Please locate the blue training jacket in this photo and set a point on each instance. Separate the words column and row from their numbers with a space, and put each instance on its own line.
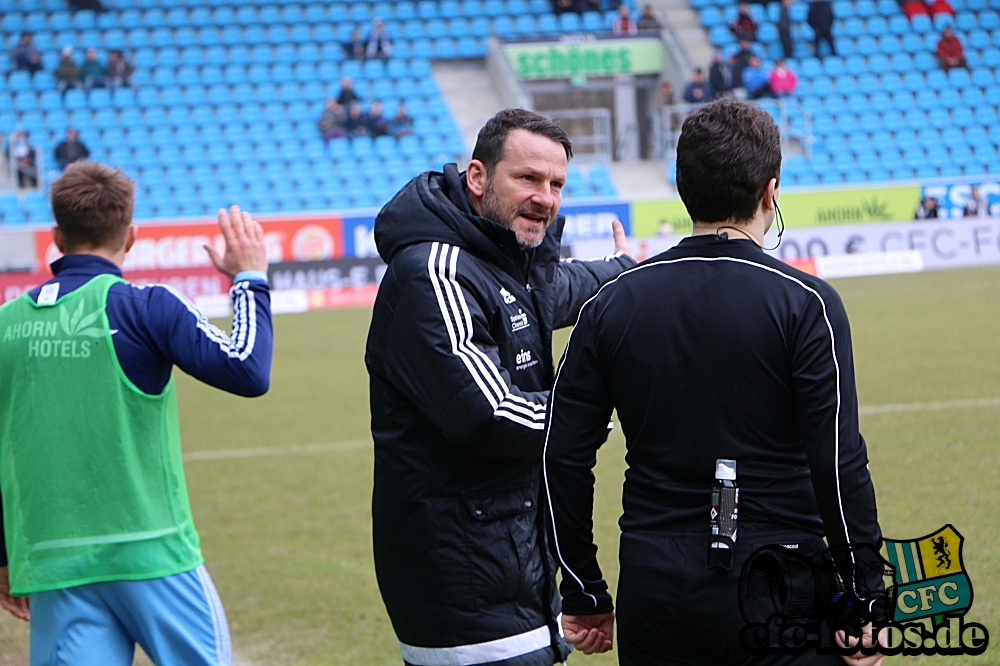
column 155, row 328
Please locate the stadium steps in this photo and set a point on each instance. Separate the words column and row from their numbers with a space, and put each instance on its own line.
column 470, row 94
column 687, row 26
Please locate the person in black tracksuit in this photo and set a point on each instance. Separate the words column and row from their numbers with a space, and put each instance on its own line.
column 460, row 363
column 713, row 349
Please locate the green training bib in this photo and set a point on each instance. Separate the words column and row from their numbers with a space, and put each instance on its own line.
column 90, row 466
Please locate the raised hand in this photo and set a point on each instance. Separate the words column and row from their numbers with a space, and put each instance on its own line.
column 621, row 242
column 245, row 250
column 590, row 634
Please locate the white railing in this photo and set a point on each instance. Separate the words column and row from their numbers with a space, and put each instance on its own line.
column 672, row 118
column 589, row 130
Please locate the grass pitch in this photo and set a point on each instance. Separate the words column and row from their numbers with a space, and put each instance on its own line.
column 287, row 537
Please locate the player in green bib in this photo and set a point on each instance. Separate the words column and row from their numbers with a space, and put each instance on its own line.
column 99, row 549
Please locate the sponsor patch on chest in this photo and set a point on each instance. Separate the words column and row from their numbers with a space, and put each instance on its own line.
column 519, row 321
column 508, row 297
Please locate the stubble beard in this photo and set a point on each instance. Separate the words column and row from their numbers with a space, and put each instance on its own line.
column 498, row 212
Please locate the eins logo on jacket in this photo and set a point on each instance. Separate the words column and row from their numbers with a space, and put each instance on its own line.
column 524, row 360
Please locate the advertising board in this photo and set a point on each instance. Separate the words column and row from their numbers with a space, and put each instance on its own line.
column 583, row 220
column 849, row 205
column 952, row 199
column 583, row 57
column 181, row 246
column 941, row 243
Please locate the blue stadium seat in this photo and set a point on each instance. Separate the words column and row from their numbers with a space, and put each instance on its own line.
column 989, row 20
column 854, row 27
column 921, row 23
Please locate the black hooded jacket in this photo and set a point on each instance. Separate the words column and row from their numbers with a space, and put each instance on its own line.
column 460, row 362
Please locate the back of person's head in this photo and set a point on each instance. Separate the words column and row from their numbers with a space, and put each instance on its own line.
column 92, row 203
column 727, row 153
column 493, row 136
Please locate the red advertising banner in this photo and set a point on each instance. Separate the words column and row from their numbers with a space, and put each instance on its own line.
column 181, row 246
column 192, row 282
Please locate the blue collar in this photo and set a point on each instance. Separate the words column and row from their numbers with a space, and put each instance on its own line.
column 84, row 265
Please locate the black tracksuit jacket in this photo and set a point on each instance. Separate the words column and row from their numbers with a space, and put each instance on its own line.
column 460, row 364
column 710, row 350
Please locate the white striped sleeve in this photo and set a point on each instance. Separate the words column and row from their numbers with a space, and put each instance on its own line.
column 442, row 268
column 240, row 344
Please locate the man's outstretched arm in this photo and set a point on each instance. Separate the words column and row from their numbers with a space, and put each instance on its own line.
column 439, row 353
column 579, row 411
column 238, row 362
column 578, row 280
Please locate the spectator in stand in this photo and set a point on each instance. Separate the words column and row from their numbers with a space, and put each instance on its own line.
column 744, row 26
column 648, row 21
column 755, row 80
column 950, row 52
column 93, row 5
column 913, row 7
column 785, row 29
column 71, row 149
column 67, row 71
column 977, row 205
column 401, row 124
column 623, row 24
column 782, row 80
column 355, row 47
column 347, row 96
column 667, row 100
column 356, row 123
column 25, row 57
column 739, row 62
column 91, row 72
column 940, row 7
column 118, row 73
column 23, row 153
column 927, row 209
column 378, row 45
column 566, row 7
column 720, row 77
column 374, row 120
column 698, row 92
column 667, row 93
column 332, row 121
column 820, row 19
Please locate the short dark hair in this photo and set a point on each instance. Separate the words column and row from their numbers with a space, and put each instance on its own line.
column 492, row 137
column 92, row 203
column 726, row 154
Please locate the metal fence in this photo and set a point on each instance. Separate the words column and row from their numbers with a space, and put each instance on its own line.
column 10, row 169
column 794, row 122
column 589, row 130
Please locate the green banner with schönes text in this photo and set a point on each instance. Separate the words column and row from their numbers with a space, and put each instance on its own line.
column 600, row 57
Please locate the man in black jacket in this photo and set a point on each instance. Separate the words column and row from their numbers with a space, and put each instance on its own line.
column 460, row 362
column 711, row 350
column 820, row 19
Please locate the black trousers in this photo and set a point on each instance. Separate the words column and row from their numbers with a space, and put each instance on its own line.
column 787, row 45
column 673, row 610
column 825, row 37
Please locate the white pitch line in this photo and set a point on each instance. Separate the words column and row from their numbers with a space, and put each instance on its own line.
column 264, row 451
column 223, row 454
column 931, row 406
